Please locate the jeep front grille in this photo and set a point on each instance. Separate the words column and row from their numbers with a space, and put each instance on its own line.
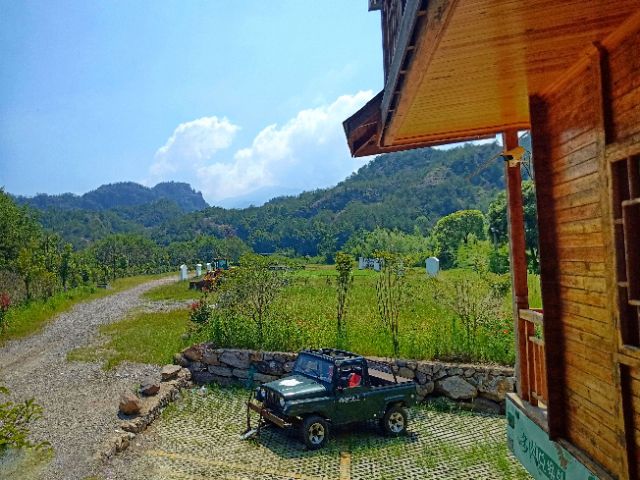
column 272, row 400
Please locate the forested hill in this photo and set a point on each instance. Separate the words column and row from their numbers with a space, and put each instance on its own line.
column 397, row 190
column 404, row 190
column 122, row 194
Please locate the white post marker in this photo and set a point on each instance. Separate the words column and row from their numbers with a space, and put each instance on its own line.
column 433, row 266
column 198, row 269
column 183, row 272
column 208, row 267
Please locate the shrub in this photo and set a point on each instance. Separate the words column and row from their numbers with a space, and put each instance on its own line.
column 390, row 295
column 344, row 266
column 14, row 423
column 5, row 303
column 200, row 311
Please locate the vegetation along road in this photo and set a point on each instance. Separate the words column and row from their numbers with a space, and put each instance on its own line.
column 79, row 399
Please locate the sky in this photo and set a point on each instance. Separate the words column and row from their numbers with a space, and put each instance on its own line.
column 243, row 99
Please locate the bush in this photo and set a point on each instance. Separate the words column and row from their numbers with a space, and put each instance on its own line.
column 200, row 311
column 14, row 423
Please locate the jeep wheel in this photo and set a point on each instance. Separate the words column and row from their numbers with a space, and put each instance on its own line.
column 395, row 421
column 315, row 432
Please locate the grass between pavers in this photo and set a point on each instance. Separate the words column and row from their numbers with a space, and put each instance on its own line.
column 177, row 291
column 28, row 319
column 26, row 463
column 144, row 337
column 443, row 439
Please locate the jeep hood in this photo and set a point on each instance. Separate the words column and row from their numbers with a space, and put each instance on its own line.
column 297, row 386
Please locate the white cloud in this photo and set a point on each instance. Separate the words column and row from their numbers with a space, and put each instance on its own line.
column 192, row 144
column 308, row 151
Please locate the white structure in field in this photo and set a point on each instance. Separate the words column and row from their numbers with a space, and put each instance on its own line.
column 364, row 263
column 208, row 265
column 198, row 269
column 183, row 272
column 433, row 266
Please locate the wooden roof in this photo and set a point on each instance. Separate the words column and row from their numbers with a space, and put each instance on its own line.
column 464, row 69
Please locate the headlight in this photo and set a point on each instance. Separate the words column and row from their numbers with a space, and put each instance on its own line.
column 263, row 393
column 282, row 402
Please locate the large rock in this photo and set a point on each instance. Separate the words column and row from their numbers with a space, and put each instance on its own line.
column 178, row 359
column 149, row 387
column 270, row 368
column 169, row 372
column 424, row 390
column 236, row 358
column 456, row 388
column 130, row 404
column 193, row 353
column 496, row 388
column 487, row 406
column 220, row 371
column 406, row 372
column 262, row 378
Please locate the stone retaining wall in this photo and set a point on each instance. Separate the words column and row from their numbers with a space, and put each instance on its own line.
column 481, row 386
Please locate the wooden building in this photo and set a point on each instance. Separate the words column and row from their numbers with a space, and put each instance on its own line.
column 568, row 71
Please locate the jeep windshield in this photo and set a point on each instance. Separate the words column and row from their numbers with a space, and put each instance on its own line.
column 314, row 367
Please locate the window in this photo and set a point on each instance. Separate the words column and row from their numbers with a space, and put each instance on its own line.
column 625, row 174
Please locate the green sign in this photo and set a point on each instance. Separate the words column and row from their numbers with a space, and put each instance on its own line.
column 543, row 458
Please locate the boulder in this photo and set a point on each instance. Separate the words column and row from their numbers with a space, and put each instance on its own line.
column 424, row 390
column 456, row 388
column 262, row 378
column 149, row 387
column 169, row 372
column 421, row 378
column 220, row 371
column 469, row 372
column 288, row 367
column 486, row 406
column 240, row 373
column 406, row 373
column 205, row 377
column 178, row 359
column 236, row 358
column 193, row 353
column 425, row 368
column 496, row 388
column 210, row 356
column 270, row 368
column 130, row 404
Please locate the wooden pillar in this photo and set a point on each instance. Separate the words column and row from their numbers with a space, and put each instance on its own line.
column 518, row 260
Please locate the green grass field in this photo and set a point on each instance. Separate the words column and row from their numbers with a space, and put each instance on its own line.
column 144, row 337
column 29, row 319
column 428, row 329
column 304, row 316
column 176, row 291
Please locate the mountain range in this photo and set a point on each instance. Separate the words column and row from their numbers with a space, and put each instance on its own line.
column 121, row 194
column 402, row 190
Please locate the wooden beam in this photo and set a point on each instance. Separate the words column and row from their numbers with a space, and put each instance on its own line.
column 518, row 258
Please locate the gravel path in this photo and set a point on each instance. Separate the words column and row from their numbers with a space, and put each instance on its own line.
column 80, row 399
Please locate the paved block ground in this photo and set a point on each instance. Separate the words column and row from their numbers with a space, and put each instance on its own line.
column 199, row 438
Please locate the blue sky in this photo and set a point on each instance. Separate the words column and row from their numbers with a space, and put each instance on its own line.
column 240, row 98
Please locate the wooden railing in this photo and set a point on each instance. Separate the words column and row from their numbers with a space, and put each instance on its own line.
column 533, row 367
column 392, row 12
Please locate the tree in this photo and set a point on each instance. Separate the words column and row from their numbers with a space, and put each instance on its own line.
column 498, row 228
column 66, row 265
column 17, row 228
column 252, row 288
column 344, row 266
column 390, row 295
column 452, row 230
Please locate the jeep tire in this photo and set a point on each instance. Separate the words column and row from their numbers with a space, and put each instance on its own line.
column 394, row 422
column 314, row 431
